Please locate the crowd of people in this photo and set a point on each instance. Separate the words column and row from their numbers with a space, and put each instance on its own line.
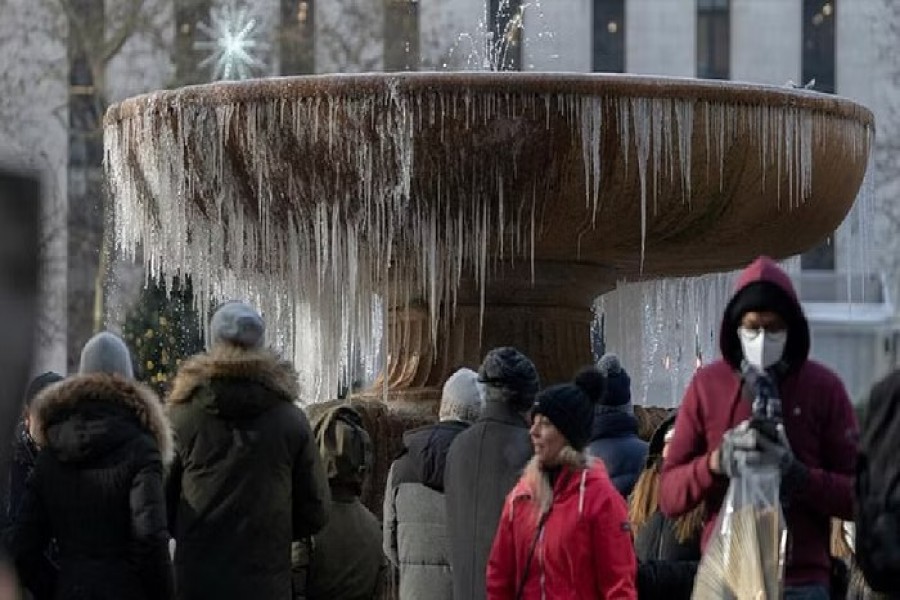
column 518, row 491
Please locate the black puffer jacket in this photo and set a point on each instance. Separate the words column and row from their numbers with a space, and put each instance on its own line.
column 25, row 453
column 247, row 478
column 666, row 567
column 24, row 457
column 98, row 490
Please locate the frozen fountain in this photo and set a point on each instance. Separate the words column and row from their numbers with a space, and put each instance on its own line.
column 461, row 211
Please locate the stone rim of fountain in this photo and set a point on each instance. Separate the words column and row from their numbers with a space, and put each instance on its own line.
column 589, row 84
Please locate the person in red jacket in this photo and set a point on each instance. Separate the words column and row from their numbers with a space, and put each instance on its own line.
column 764, row 330
column 564, row 531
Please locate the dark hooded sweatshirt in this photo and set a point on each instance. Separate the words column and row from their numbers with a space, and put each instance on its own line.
column 415, row 528
column 818, row 417
column 247, row 479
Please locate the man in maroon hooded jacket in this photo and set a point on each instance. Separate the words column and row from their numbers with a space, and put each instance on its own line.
column 764, row 329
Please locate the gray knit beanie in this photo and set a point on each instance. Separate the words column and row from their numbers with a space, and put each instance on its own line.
column 106, row 353
column 237, row 324
column 461, row 397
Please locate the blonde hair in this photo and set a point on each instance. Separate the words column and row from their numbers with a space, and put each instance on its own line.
column 537, row 480
column 644, row 502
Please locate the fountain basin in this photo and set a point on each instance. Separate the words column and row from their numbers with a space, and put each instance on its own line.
column 468, row 200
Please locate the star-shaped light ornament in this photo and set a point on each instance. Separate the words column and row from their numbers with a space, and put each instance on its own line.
column 231, row 42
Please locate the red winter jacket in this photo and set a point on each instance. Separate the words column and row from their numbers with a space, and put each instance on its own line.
column 584, row 553
column 818, row 417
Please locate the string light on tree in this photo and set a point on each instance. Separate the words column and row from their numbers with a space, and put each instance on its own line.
column 231, row 42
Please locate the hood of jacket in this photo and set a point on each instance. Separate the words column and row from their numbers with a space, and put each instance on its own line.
column 426, row 449
column 766, row 274
column 235, row 383
column 87, row 416
column 613, row 424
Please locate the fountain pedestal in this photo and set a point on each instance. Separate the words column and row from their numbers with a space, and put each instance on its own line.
column 548, row 318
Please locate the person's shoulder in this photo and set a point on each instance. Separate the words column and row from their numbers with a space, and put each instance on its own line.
column 814, row 375
column 465, row 436
column 143, row 449
column 716, row 369
column 596, row 473
column 288, row 417
column 600, row 487
column 821, row 373
column 712, row 375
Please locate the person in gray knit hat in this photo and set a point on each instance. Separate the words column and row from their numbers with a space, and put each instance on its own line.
column 614, row 436
column 106, row 353
column 415, row 521
column 484, row 463
column 97, row 486
column 237, row 324
column 247, row 479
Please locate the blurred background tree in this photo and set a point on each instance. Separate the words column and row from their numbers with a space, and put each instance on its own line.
column 162, row 329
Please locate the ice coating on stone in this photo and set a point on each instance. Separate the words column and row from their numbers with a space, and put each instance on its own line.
column 856, row 233
column 312, row 250
column 669, row 327
column 661, row 329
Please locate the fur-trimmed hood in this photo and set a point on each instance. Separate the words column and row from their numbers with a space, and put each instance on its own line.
column 94, row 397
column 229, row 369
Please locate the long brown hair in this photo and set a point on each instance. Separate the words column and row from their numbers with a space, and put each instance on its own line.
column 644, row 503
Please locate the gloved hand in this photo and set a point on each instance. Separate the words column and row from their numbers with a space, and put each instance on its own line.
column 739, row 448
column 778, row 453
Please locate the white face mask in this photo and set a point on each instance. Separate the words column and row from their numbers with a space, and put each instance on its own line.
column 762, row 348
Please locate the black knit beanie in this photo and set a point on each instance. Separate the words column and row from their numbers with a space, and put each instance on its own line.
column 618, row 383
column 39, row 383
column 570, row 406
column 509, row 376
column 761, row 296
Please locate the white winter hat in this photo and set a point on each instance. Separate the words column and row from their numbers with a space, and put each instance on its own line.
column 461, row 397
column 106, row 353
column 237, row 324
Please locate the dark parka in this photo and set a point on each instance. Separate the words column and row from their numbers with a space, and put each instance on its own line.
column 247, row 479
column 666, row 566
column 24, row 457
column 615, row 441
column 483, row 464
column 98, row 490
column 346, row 561
column 415, row 519
column 25, row 454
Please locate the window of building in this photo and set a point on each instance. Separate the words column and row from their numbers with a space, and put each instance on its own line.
column 713, row 39
column 819, row 71
column 819, row 44
column 609, row 36
column 296, row 39
column 505, row 20
column 401, row 35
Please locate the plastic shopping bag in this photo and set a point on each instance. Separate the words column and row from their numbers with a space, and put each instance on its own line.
column 744, row 558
